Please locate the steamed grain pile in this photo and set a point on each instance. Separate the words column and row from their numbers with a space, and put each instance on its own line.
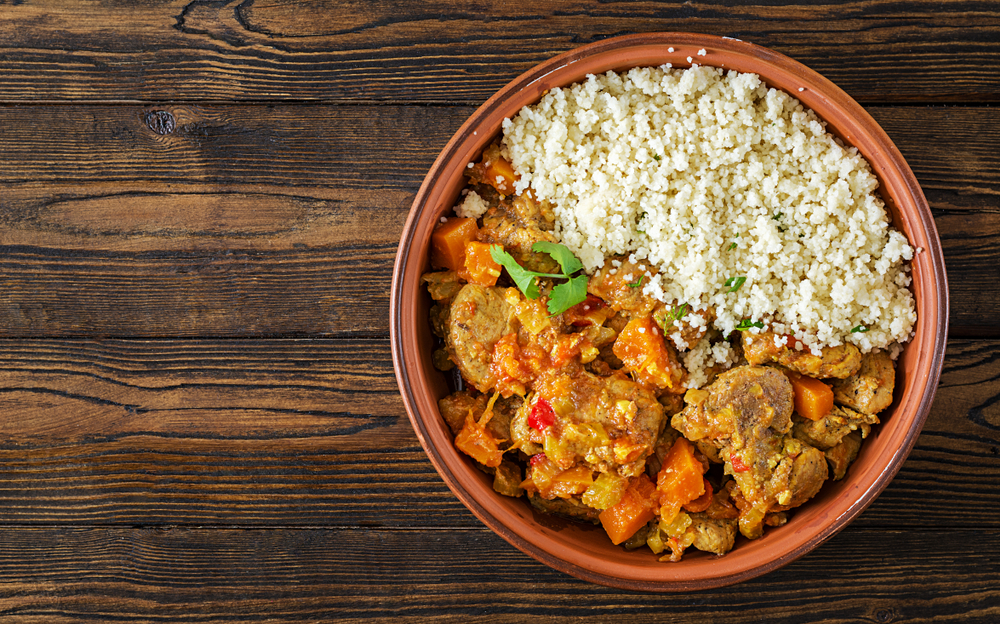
column 711, row 176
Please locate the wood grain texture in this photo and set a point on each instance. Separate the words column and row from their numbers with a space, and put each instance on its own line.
column 249, row 221
column 173, row 575
column 313, row 432
column 458, row 51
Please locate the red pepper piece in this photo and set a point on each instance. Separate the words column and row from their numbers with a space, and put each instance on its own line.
column 541, row 415
column 738, row 465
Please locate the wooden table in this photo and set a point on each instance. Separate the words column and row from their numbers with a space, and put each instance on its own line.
column 200, row 204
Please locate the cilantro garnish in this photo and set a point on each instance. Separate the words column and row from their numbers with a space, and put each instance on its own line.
column 564, row 295
column 860, row 329
column 638, row 283
column 656, row 157
column 746, row 324
column 732, row 245
column 735, row 283
column 777, row 216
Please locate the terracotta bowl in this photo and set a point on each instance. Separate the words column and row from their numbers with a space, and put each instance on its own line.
column 582, row 550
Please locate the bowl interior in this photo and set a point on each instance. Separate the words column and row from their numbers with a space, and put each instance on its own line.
column 583, row 550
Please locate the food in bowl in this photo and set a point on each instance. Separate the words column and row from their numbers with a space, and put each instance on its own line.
column 644, row 286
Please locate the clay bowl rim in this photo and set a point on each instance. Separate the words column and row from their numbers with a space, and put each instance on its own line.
column 894, row 439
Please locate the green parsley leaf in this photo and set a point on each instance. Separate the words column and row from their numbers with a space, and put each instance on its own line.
column 746, row 324
column 732, row 245
column 777, row 216
column 525, row 279
column 638, row 283
column 735, row 282
column 564, row 295
column 561, row 254
column 860, row 329
column 567, row 294
column 656, row 157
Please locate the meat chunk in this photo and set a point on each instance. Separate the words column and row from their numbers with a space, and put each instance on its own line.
column 808, row 473
column 870, row 389
column 843, row 455
column 747, row 413
column 742, row 408
column 610, row 424
column 479, row 317
column 713, row 535
column 456, row 406
column 827, row 432
column 840, row 362
column 620, row 288
column 502, row 227
column 566, row 507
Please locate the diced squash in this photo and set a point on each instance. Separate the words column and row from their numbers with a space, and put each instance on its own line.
column 500, row 174
column 813, row 398
column 680, row 480
column 479, row 267
column 448, row 242
column 632, row 512
column 477, row 442
column 641, row 347
column 703, row 502
column 572, row 482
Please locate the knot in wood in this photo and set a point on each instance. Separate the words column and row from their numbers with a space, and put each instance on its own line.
column 160, row 122
column 884, row 615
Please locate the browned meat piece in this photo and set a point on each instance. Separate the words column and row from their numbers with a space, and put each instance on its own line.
column 507, row 479
column 870, row 389
column 607, row 423
column 479, row 317
column 742, row 408
column 566, row 507
column 844, row 454
column 808, row 473
column 681, row 332
column 442, row 285
column 746, row 413
column 713, row 535
column 615, row 285
column 503, row 228
column 456, row 406
column 531, row 213
column 839, row 362
column 828, row 431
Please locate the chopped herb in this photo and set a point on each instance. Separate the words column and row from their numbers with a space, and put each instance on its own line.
column 656, row 157
column 782, row 228
column 777, row 216
column 679, row 311
column 746, row 324
column 564, row 295
column 860, row 329
column 735, row 283
column 732, row 245
column 641, row 217
column 638, row 283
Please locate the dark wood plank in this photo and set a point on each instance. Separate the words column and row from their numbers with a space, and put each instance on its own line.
column 284, row 220
column 453, row 51
column 173, row 575
column 313, row 432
